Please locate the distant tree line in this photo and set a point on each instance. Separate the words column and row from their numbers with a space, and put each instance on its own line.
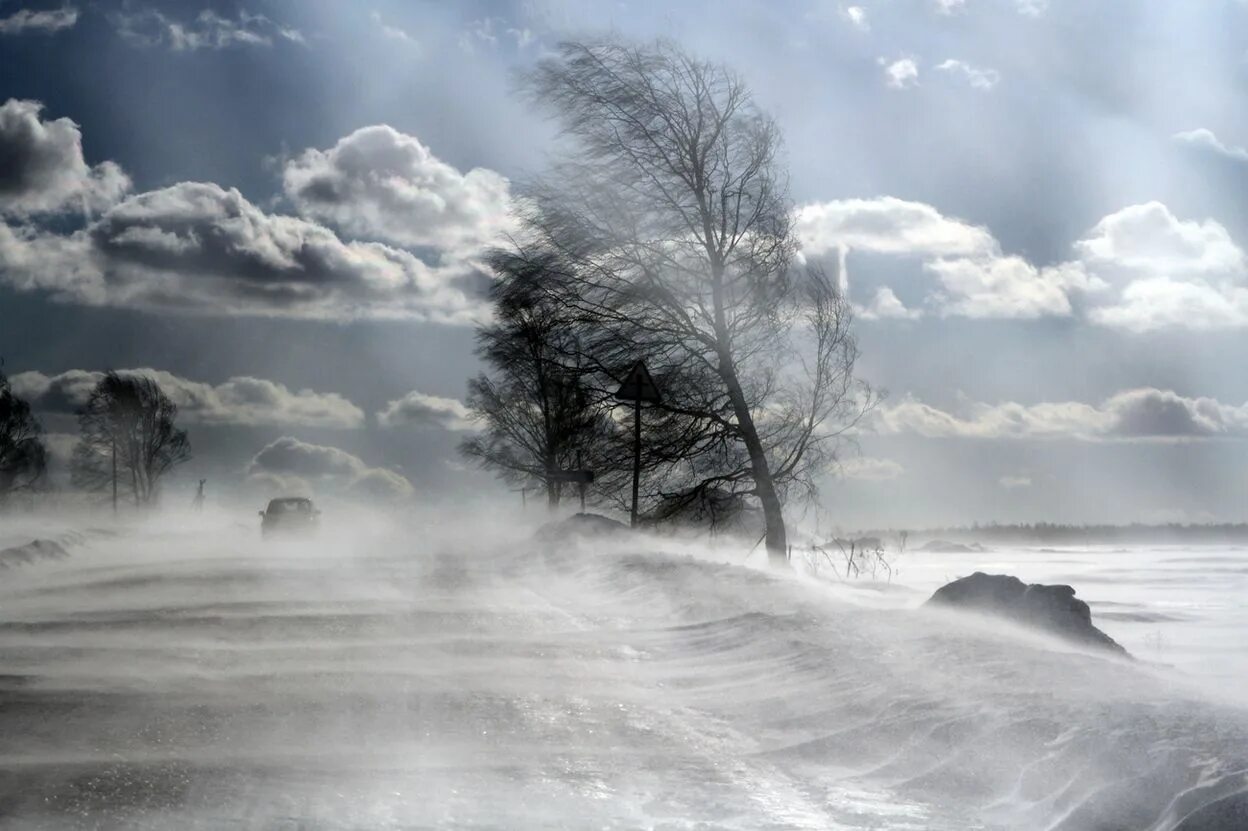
column 1098, row 534
column 663, row 233
column 128, row 441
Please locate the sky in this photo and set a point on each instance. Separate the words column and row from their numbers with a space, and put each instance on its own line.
column 278, row 208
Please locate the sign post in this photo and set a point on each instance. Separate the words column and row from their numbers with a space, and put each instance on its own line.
column 637, row 387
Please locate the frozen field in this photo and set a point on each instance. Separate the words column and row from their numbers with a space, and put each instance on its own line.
column 1183, row 606
column 191, row 677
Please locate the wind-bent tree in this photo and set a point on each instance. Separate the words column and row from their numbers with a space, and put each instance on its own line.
column 534, row 411
column 23, row 455
column 671, row 216
column 128, row 438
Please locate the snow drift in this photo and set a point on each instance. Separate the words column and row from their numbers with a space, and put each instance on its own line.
column 409, row 679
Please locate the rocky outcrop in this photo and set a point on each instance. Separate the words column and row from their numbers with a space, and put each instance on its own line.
column 581, row 525
column 1053, row 609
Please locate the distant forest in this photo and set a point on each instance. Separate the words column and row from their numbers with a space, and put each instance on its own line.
column 1054, row 533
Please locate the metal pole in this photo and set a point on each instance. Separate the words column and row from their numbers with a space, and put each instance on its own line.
column 580, row 465
column 632, row 523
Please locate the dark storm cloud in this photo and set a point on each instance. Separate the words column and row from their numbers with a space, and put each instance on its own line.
column 198, row 247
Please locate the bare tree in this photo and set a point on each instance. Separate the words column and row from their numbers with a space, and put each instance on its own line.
column 128, row 438
column 23, row 455
column 536, row 416
column 672, row 216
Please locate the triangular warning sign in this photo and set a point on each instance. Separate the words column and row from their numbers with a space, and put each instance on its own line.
column 639, row 386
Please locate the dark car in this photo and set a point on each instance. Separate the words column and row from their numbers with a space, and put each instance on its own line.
column 289, row 515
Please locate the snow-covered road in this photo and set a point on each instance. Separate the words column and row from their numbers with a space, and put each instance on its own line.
column 180, row 678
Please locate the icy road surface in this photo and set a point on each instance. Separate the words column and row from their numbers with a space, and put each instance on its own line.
column 196, row 679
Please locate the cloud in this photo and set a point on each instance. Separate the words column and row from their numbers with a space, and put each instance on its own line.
column 290, row 456
column 293, row 466
column 1149, row 240
column 208, row 30
column 1168, row 272
column 46, row 21
column 888, row 225
column 902, row 73
column 392, row 32
column 975, row 278
column 421, row 410
column 199, row 248
column 1158, row 303
column 857, row 17
column 1032, row 8
column 1145, row 413
column 1205, row 139
column 382, row 184
column 240, row 401
column 1014, row 482
column 1140, row 268
column 948, row 6
column 981, row 78
column 43, row 168
column 195, row 247
column 1007, row 287
column 379, row 484
column 885, row 305
column 489, row 31
column 871, row 469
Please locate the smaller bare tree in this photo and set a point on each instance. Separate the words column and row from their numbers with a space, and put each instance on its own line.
column 129, row 440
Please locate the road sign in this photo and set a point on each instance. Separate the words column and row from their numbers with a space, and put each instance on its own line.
column 576, row 477
column 639, row 386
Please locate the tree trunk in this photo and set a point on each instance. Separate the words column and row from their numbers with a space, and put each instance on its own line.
column 775, row 537
column 773, row 512
column 553, row 487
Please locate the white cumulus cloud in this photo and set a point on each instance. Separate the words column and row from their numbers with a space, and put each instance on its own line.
column 1205, row 139
column 289, row 466
column 45, row 21
column 982, row 78
column 239, row 401
column 382, row 184
column 1145, row 413
column 44, row 170
column 417, row 409
column 902, row 73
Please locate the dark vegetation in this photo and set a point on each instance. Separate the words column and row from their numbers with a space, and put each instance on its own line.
column 23, row 454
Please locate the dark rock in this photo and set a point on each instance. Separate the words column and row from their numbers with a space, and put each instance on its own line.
column 944, row 547
column 582, row 525
column 32, row 551
column 1055, row 609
